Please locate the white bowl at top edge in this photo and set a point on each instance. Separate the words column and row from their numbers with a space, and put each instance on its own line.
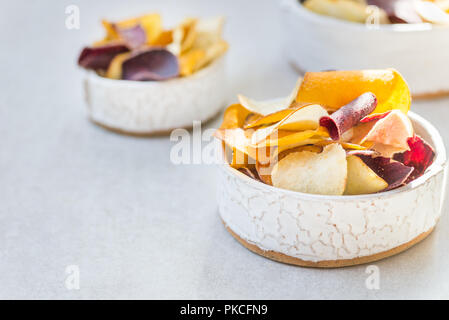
column 343, row 229
column 317, row 42
column 146, row 107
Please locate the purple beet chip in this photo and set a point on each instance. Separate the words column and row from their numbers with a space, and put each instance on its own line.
column 420, row 156
column 393, row 172
column 99, row 58
column 398, row 11
column 151, row 65
column 349, row 115
column 134, row 37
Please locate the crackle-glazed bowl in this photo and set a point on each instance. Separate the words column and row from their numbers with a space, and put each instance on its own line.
column 333, row 231
column 317, row 42
column 142, row 108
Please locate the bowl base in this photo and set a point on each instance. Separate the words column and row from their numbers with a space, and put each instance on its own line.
column 281, row 257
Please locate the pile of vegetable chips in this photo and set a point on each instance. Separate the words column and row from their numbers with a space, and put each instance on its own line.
column 140, row 49
column 338, row 132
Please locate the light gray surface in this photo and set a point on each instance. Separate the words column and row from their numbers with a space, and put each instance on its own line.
column 135, row 224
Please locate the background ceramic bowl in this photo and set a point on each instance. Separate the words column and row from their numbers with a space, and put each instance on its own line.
column 152, row 107
column 333, row 231
column 317, row 42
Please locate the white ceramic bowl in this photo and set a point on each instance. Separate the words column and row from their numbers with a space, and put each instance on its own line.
column 317, row 42
column 333, row 231
column 142, row 108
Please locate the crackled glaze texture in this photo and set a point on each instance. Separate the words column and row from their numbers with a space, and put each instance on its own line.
column 319, row 228
column 327, row 43
column 147, row 107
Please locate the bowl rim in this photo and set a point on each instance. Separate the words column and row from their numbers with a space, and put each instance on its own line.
column 92, row 75
column 437, row 166
column 299, row 9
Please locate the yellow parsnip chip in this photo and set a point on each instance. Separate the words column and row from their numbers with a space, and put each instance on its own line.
column 115, row 66
column 201, row 45
column 274, row 117
column 361, row 179
column 184, row 36
column 310, row 172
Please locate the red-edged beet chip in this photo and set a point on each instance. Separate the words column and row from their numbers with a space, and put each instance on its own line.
column 398, row 11
column 98, row 58
column 375, row 117
column 420, row 156
column 393, row 172
column 151, row 65
column 349, row 115
column 134, row 37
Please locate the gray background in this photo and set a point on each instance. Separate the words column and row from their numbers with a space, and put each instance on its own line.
column 135, row 224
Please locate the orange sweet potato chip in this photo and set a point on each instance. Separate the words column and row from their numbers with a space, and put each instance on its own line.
column 190, row 61
column 234, row 116
column 334, row 89
column 276, row 116
column 164, row 38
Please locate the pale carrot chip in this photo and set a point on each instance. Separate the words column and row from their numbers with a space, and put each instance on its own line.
column 431, row 12
column 393, row 130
